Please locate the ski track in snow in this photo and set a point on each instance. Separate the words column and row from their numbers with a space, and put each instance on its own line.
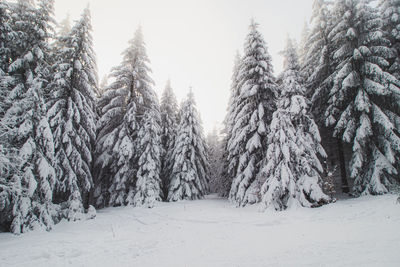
column 211, row 232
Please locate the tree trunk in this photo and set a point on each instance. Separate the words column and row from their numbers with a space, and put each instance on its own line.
column 345, row 185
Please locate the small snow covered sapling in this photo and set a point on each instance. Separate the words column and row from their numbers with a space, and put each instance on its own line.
column 90, row 213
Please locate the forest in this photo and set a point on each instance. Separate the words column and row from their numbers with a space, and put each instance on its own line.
column 70, row 145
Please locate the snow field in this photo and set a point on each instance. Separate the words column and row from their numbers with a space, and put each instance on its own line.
column 211, row 232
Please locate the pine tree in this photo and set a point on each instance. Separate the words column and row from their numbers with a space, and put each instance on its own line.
column 169, row 123
column 6, row 36
column 214, row 155
column 304, row 47
column 9, row 191
column 72, row 115
column 189, row 179
column 123, row 107
column 27, row 126
column 255, row 106
column 292, row 168
column 320, row 66
column 64, row 27
column 63, row 30
column 9, row 160
column 230, row 156
column 364, row 101
column 111, row 155
column 148, row 189
column 148, row 143
column 317, row 61
column 390, row 13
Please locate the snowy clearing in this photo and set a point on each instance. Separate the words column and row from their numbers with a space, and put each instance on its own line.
column 211, row 232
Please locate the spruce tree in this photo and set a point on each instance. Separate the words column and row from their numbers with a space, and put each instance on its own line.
column 255, row 106
column 320, row 66
column 303, row 50
column 27, row 126
column 9, row 160
column 148, row 143
column 214, row 155
column 72, row 116
column 6, row 36
column 123, row 113
column 292, row 167
column 230, row 156
column 318, row 56
column 9, row 191
column 110, row 154
column 189, row 179
column 390, row 13
column 169, row 123
column 364, row 101
column 64, row 27
column 148, row 185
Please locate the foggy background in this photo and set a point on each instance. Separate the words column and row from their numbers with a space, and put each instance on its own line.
column 192, row 43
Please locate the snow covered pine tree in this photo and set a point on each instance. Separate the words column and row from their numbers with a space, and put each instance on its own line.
column 169, row 124
column 390, row 14
column 320, row 65
column 255, row 106
column 6, row 36
column 364, row 105
column 292, row 168
column 189, row 179
column 230, row 156
column 72, row 117
column 214, row 155
column 129, row 107
column 8, row 156
column 25, row 119
column 149, row 148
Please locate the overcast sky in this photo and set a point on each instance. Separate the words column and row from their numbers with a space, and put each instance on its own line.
column 190, row 42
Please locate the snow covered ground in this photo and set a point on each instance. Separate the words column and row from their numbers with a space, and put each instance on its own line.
column 210, row 232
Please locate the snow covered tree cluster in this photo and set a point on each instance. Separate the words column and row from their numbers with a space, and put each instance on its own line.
column 355, row 85
column 273, row 146
column 345, row 73
column 67, row 145
column 146, row 151
column 48, row 83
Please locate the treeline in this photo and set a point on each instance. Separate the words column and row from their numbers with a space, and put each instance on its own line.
column 67, row 145
column 345, row 73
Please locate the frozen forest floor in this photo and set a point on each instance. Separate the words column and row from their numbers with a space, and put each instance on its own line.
column 211, row 232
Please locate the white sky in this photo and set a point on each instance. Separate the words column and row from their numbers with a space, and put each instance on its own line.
column 193, row 43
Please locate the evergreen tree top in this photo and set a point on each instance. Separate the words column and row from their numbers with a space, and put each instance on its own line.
column 133, row 74
column 64, row 27
column 256, row 50
column 292, row 81
column 255, row 75
column 291, row 59
column 189, row 111
column 168, row 93
column 168, row 100
column 82, row 41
